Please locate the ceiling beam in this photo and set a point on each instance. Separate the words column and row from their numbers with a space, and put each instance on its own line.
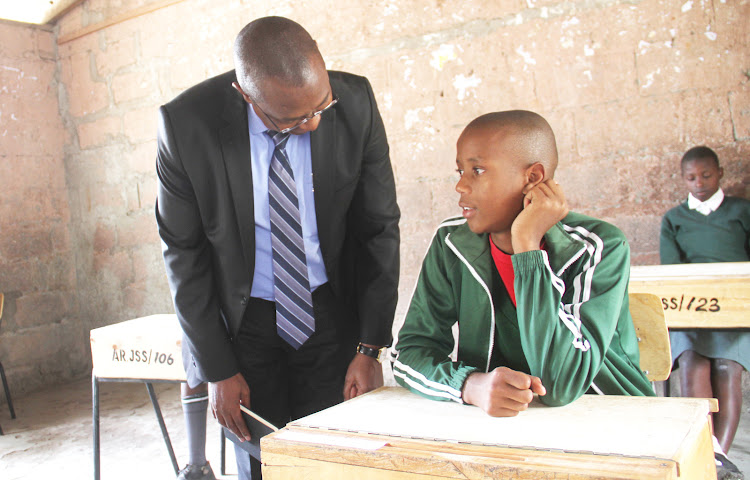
column 38, row 12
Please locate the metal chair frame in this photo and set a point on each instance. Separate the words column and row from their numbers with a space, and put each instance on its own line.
column 2, row 374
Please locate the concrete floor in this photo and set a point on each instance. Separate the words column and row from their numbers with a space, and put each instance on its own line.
column 51, row 438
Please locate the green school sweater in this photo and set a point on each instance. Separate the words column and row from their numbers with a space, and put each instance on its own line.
column 690, row 237
column 571, row 327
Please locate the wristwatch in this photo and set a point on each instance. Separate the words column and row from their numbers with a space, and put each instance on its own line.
column 371, row 352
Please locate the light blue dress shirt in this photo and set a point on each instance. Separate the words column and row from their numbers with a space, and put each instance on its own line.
column 298, row 151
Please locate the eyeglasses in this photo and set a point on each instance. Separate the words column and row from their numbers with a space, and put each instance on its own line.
column 304, row 120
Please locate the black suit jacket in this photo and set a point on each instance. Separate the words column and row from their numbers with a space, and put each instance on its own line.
column 205, row 217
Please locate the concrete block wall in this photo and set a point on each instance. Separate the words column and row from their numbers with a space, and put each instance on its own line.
column 628, row 86
column 41, row 323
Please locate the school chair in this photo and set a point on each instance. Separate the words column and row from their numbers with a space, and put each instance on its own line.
column 2, row 373
column 653, row 336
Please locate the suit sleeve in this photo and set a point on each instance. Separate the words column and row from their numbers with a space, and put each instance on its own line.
column 566, row 330
column 188, row 261
column 374, row 221
column 669, row 252
column 425, row 341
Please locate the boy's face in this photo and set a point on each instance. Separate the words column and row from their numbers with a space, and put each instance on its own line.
column 492, row 181
column 702, row 177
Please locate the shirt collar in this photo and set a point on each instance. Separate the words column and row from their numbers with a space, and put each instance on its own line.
column 562, row 248
column 710, row 205
column 498, row 255
column 255, row 124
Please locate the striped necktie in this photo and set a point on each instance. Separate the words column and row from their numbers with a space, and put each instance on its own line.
column 294, row 309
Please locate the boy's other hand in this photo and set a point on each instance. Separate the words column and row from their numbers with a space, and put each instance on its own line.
column 502, row 392
column 543, row 206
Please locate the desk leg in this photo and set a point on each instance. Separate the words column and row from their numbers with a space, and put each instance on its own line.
column 95, row 400
column 164, row 432
column 223, row 453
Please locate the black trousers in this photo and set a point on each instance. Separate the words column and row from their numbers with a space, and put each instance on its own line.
column 287, row 384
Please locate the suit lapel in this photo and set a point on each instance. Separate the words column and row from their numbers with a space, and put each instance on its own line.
column 324, row 162
column 235, row 147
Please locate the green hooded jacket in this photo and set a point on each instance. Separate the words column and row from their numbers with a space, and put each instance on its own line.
column 571, row 326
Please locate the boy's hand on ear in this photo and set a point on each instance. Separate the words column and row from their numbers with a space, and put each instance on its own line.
column 502, row 392
column 543, row 206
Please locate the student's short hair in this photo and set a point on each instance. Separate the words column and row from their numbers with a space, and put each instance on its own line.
column 699, row 152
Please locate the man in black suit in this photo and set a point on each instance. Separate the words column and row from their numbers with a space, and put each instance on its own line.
column 215, row 144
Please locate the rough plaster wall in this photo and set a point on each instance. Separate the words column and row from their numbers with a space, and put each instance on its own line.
column 628, row 86
column 40, row 330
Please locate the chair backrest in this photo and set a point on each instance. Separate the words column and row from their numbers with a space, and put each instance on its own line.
column 653, row 336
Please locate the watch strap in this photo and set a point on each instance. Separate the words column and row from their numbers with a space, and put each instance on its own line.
column 369, row 351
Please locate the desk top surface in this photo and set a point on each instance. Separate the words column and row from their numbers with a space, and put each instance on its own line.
column 616, row 425
column 688, row 271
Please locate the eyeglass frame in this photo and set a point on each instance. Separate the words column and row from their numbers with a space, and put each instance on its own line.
column 334, row 101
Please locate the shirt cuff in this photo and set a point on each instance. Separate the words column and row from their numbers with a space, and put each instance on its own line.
column 530, row 260
column 458, row 380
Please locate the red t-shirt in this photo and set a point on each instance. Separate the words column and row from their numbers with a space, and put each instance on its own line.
column 504, row 266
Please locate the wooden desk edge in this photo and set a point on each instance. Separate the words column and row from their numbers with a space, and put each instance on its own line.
column 723, row 301
column 450, row 460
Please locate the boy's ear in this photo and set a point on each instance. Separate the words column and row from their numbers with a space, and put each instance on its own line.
column 534, row 176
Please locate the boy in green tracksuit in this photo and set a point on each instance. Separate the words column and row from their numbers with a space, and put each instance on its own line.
column 539, row 294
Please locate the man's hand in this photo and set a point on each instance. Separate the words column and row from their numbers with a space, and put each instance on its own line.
column 502, row 392
column 225, row 397
column 543, row 206
column 364, row 374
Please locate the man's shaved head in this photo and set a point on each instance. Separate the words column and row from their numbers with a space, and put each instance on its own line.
column 529, row 135
column 275, row 47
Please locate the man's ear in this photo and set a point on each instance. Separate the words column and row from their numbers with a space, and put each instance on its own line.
column 534, row 176
column 239, row 89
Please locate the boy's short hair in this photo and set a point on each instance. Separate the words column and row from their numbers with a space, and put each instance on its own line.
column 535, row 138
column 695, row 153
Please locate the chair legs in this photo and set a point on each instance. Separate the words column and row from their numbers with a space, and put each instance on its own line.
column 7, row 394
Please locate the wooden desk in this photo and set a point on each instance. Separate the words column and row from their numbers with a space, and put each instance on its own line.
column 698, row 295
column 598, row 437
column 146, row 349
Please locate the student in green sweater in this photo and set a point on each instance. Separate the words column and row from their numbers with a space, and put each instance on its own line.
column 539, row 294
column 709, row 227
